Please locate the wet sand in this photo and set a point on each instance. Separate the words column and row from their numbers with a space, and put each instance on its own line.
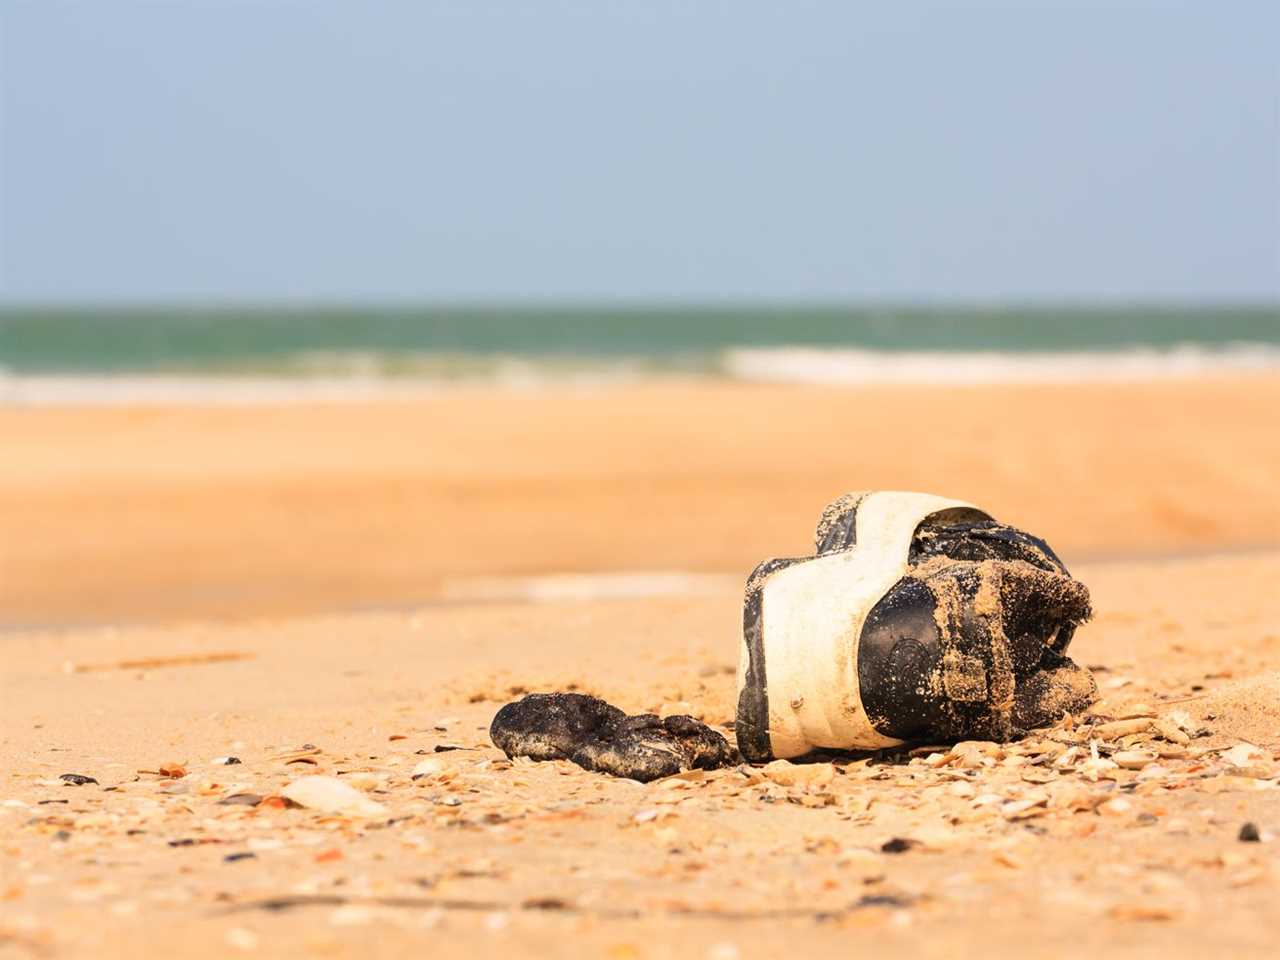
column 220, row 551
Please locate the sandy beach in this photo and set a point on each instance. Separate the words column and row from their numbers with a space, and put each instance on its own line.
column 163, row 512
column 354, row 589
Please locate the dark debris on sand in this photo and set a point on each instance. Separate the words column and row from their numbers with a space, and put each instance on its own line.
column 598, row 736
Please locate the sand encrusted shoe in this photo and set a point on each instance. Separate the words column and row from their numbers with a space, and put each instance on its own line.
column 917, row 618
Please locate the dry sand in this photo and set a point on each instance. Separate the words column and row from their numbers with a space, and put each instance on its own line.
column 155, row 512
column 219, row 554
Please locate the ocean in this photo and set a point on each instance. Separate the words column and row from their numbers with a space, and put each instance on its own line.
column 106, row 350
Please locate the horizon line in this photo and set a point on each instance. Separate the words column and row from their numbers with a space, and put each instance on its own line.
column 627, row 304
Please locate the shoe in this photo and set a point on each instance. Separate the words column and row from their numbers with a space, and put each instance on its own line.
column 917, row 618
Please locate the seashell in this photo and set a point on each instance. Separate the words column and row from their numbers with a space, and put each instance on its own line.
column 427, row 768
column 331, row 795
column 1122, row 728
column 1134, row 759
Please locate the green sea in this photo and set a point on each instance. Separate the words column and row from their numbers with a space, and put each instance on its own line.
column 466, row 341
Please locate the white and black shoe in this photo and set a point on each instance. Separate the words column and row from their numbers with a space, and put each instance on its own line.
column 918, row 618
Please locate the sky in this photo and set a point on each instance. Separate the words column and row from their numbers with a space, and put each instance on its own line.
column 647, row 150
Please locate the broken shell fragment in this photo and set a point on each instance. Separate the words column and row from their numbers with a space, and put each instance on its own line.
column 241, row 800
column 427, row 768
column 788, row 774
column 1115, row 807
column 1123, row 728
column 1134, row 759
column 972, row 754
column 1170, row 731
column 1245, row 755
column 331, row 795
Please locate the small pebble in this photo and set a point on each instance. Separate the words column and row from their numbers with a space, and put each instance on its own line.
column 77, row 779
column 242, row 939
column 1249, row 833
column 427, row 768
column 226, row 761
column 1115, row 807
column 241, row 799
column 243, row 855
column 497, row 922
column 897, row 845
column 351, row 915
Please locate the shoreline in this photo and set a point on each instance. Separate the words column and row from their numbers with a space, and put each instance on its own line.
column 368, row 376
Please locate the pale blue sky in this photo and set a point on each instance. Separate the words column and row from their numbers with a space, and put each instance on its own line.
column 642, row 150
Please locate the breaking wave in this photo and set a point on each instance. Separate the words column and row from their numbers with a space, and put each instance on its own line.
column 364, row 375
column 858, row 367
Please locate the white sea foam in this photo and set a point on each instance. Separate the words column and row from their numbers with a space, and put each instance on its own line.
column 360, row 379
column 128, row 391
column 45, row 390
column 859, row 367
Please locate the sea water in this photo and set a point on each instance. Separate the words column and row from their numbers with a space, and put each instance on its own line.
column 132, row 353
